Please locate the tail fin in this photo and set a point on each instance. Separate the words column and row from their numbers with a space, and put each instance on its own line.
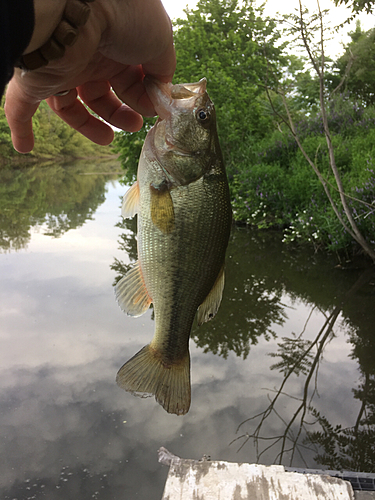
column 145, row 374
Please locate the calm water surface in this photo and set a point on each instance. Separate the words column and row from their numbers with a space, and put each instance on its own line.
column 68, row 431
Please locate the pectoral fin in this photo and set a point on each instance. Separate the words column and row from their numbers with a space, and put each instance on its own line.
column 162, row 211
column 130, row 201
column 131, row 293
column 211, row 303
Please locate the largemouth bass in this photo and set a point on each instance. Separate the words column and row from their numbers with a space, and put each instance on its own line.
column 184, row 216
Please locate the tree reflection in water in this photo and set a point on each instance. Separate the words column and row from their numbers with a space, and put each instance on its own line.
column 335, row 448
column 260, row 271
column 58, row 197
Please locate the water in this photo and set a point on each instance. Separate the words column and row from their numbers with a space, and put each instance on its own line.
column 68, row 431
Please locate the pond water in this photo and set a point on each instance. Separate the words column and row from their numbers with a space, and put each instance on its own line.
column 68, row 431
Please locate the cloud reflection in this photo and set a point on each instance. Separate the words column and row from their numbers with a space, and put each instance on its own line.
column 68, row 431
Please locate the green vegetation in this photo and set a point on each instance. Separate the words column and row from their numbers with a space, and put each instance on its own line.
column 53, row 139
column 278, row 188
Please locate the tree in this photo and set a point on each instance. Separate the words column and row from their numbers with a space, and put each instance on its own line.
column 6, row 148
column 305, row 31
column 234, row 46
column 357, row 6
column 356, row 68
column 237, row 49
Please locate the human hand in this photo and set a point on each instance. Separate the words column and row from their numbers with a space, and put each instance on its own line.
column 121, row 42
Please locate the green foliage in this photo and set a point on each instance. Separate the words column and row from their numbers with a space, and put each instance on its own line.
column 358, row 6
column 6, row 148
column 238, row 50
column 53, row 138
column 278, row 188
column 360, row 57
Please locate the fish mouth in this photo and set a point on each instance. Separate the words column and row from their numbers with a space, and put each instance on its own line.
column 166, row 97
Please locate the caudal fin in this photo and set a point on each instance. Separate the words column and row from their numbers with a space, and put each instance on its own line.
column 145, row 374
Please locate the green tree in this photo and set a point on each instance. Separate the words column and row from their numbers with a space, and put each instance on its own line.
column 304, row 30
column 238, row 50
column 356, row 68
column 6, row 148
column 358, row 6
column 234, row 46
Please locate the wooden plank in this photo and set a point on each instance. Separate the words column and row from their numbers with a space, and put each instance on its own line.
column 206, row 480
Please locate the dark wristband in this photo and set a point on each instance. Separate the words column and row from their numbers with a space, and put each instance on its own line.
column 75, row 15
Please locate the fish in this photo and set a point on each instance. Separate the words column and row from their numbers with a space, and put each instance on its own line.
column 181, row 198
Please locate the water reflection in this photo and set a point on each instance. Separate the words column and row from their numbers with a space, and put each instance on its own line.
column 67, row 430
column 259, row 273
column 334, row 446
column 59, row 197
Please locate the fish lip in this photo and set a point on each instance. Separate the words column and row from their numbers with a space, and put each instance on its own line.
column 160, row 95
column 165, row 97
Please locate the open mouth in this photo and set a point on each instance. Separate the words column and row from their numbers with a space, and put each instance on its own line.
column 165, row 96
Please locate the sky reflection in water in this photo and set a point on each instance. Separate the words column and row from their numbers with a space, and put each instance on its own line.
column 68, row 431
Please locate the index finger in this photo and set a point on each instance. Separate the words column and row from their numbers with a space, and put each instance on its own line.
column 19, row 110
column 164, row 66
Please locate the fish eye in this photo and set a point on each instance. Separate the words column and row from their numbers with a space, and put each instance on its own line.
column 202, row 115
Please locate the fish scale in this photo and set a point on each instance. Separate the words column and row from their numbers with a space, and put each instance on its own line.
column 172, row 283
column 184, row 218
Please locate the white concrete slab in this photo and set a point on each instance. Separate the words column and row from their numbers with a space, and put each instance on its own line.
column 206, row 480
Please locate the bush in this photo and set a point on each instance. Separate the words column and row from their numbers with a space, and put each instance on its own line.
column 277, row 186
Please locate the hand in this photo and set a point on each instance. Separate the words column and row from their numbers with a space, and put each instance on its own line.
column 121, row 42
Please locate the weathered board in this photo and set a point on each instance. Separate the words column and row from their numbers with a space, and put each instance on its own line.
column 206, row 480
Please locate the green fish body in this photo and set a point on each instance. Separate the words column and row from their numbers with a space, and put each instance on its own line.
column 184, row 218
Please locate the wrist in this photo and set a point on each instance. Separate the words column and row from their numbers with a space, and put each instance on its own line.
column 47, row 15
column 56, row 26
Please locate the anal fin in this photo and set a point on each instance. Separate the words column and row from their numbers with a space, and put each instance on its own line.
column 209, row 307
column 131, row 293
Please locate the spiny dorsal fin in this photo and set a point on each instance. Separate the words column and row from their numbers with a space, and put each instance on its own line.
column 211, row 303
column 131, row 293
column 145, row 374
column 162, row 211
column 130, row 201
